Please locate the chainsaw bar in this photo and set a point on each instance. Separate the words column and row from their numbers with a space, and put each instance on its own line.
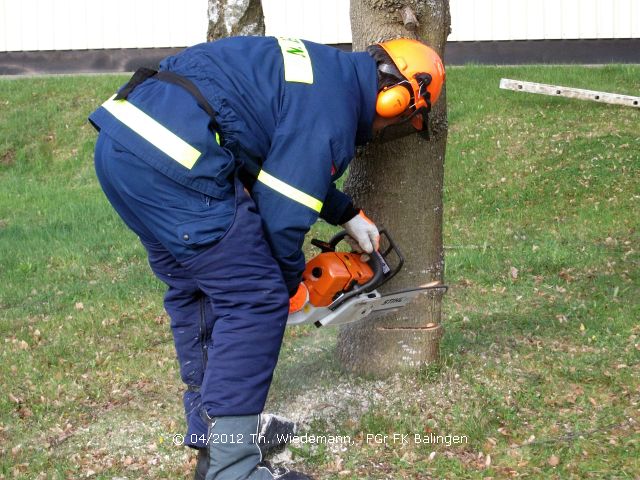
column 366, row 305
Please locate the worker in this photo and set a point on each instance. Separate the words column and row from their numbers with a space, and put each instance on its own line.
column 220, row 162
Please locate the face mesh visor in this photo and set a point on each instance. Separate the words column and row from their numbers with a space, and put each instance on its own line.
column 417, row 122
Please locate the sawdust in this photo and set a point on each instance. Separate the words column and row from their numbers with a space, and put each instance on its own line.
column 348, row 400
column 312, row 390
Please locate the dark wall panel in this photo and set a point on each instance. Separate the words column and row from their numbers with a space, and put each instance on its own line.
column 457, row 53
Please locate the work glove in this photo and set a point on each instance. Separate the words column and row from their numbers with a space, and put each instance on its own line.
column 299, row 299
column 364, row 232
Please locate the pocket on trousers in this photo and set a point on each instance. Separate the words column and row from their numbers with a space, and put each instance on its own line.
column 204, row 231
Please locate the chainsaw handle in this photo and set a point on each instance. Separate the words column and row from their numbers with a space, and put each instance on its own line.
column 392, row 248
column 336, row 239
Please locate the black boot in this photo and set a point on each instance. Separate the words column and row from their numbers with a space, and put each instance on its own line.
column 275, row 433
column 203, row 464
column 283, row 473
column 278, row 473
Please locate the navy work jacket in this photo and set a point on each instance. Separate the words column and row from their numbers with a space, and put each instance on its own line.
column 295, row 109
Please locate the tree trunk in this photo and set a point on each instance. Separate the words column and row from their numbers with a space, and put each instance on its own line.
column 234, row 17
column 400, row 186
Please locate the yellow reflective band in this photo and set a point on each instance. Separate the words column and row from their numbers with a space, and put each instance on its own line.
column 297, row 63
column 153, row 132
column 289, row 191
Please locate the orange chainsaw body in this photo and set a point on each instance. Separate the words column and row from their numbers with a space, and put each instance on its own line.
column 331, row 273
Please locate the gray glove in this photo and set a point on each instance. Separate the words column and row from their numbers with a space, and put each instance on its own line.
column 364, row 232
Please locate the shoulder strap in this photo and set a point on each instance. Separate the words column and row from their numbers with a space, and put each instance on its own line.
column 138, row 77
column 143, row 74
column 188, row 85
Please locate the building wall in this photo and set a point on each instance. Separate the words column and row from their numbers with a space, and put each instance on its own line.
column 478, row 20
column 99, row 24
column 27, row 25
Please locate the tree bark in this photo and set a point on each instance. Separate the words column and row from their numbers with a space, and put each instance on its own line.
column 234, row 17
column 400, row 186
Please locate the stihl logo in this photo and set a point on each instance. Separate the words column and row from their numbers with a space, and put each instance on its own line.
column 392, row 300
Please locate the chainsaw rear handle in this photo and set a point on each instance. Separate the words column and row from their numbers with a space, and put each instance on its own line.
column 377, row 262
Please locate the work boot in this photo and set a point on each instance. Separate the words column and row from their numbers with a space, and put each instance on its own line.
column 275, row 433
column 234, row 453
column 203, row 464
column 283, row 473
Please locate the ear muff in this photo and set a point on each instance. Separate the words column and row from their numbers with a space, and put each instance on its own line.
column 392, row 101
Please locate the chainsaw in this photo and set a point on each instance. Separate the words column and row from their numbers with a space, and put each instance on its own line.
column 343, row 285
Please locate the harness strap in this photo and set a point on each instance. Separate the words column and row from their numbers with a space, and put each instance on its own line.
column 138, row 77
column 143, row 74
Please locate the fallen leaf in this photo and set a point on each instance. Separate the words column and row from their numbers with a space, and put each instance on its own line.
column 529, row 440
column 554, row 461
column 514, row 273
column 25, row 412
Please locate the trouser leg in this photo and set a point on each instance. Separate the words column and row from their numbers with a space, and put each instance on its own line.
column 191, row 324
column 245, row 285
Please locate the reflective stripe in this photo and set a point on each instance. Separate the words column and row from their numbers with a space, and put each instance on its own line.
column 289, row 191
column 297, row 63
column 153, row 132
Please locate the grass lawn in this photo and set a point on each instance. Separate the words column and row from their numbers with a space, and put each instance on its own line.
column 540, row 369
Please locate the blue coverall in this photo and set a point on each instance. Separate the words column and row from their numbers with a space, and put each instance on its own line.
column 223, row 214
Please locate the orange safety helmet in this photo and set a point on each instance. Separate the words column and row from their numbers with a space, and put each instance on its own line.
column 414, row 76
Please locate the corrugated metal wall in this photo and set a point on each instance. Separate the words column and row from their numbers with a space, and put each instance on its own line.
column 94, row 24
